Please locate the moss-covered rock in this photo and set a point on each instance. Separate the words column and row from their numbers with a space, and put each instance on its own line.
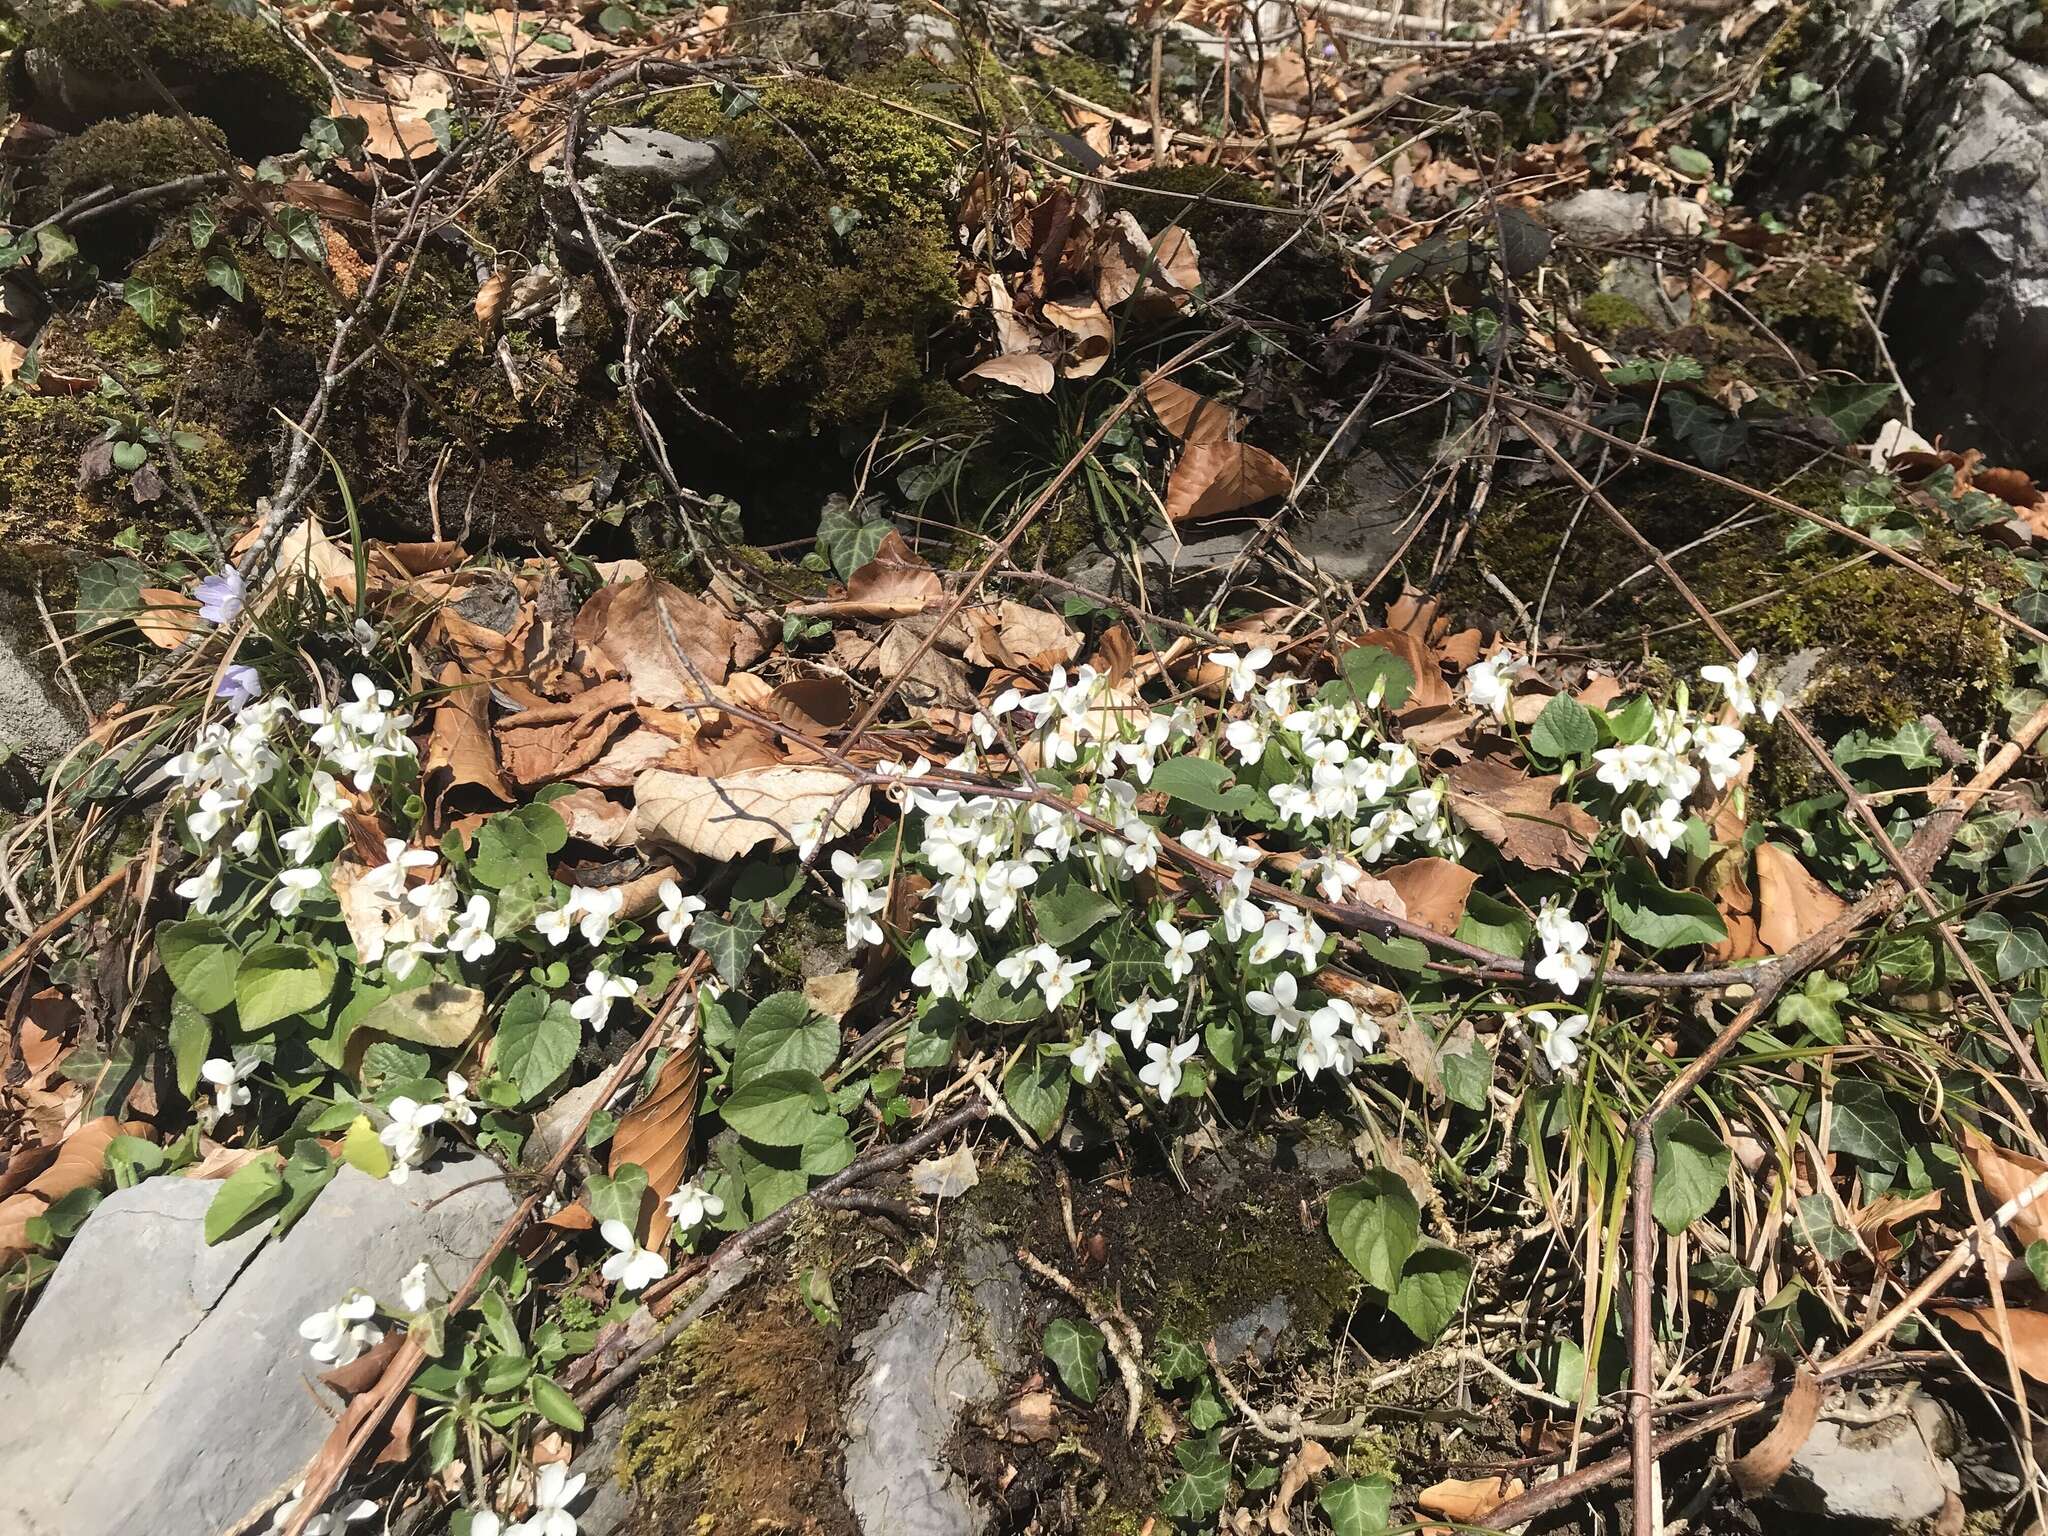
column 845, row 264
column 87, row 61
column 1611, row 314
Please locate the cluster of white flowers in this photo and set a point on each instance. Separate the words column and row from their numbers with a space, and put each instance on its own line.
column 1565, row 963
column 343, row 1331
column 358, row 735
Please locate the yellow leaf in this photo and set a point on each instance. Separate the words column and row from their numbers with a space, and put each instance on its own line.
column 361, row 1149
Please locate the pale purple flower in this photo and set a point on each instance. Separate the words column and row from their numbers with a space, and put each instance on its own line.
column 239, row 685
column 220, row 596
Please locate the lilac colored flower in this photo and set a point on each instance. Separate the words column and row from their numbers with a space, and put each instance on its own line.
column 239, row 685
column 220, row 597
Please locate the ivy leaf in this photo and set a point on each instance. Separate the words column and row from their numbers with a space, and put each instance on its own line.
column 201, row 961
column 1357, row 1506
column 1692, row 1171
column 1203, row 1485
column 1657, row 917
column 1036, row 1090
column 247, row 1193
column 782, row 1032
column 617, row 1198
column 1375, row 1224
column 1863, row 1125
column 2037, row 1261
column 1175, row 1358
column 2014, row 951
column 1564, row 729
column 728, row 942
column 1076, row 1350
column 1816, row 1226
column 222, row 272
column 1813, row 1008
column 53, row 248
column 848, row 539
column 148, row 301
column 1432, row 1289
column 1850, row 407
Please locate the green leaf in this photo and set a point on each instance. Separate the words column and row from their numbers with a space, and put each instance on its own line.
column 1692, row 1171
column 1357, row 1506
column 1375, row 1224
column 1688, row 161
column 994, row 1002
column 1201, row 783
column 442, row 1014
column 1076, row 1350
column 53, row 248
column 1851, row 406
column 1468, row 1074
column 1494, row 925
column 191, row 1042
column 362, row 1149
column 1203, row 1485
column 619, row 1197
column 131, row 1159
column 783, row 1032
column 201, row 961
column 1564, row 729
column 537, row 1040
column 248, row 1192
column 1655, row 916
column 848, row 539
column 204, row 225
column 278, row 981
column 222, row 272
column 515, row 845
column 1064, row 909
column 1813, row 1008
column 1863, row 1125
column 1175, row 1358
column 2014, row 951
column 1713, row 436
column 1036, row 1090
column 1816, row 1226
column 782, row 1109
column 555, row 1405
column 1431, row 1291
column 306, row 1172
column 1205, row 1408
column 2037, row 1261
column 148, row 301
column 728, row 942
column 129, row 457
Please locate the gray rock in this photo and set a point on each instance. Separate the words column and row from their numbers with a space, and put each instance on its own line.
column 1604, row 216
column 39, row 719
column 161, row 1385
column 652, row 153
column 1894, row 1469
column 925, row 1361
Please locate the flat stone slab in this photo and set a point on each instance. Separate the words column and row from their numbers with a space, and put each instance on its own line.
column 161, row 1385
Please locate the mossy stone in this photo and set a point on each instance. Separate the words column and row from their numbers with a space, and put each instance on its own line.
column 1610, row 314
column 233, row 69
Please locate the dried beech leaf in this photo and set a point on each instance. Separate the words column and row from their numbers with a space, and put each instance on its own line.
column 1214, row 478
column 656, row 1132
column 672, row 645
column 2006, row 1174
column 1516, row 813
column 1468, row 1500
column 1191, row 417
column 1026, row 371
column 2028, row 1330
column 722, row 818
column 167, row 617
column 1433, row 891
column 1792, row 905
column 1765, row 1462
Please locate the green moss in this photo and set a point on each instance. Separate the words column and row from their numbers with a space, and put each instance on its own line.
column 737, row 1427
column 1815, row 307
column 1084, row 78
column 830, row 323
column 130, row 153
column 1609, row 314
column 237, row 71
column 1895, row 645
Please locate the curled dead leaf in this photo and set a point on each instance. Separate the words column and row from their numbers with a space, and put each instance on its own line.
column 656, row 1134
column 2007, row 1174
column 1520, row 814
column 1026, row 371
column 1792, row 905
column 1433, row 891
column 2027, row 1330
column 1765, row 1462
column 1469, row 1500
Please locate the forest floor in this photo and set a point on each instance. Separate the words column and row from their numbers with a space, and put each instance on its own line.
column 1149, row 767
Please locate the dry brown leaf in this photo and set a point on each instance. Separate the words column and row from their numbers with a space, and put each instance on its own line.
column 672, row 646
column 395, row 132
column 167, row 617
column 833, row 995
column 2028, row 1329
column 490, row 297
column 1468, row 1500
column 1191, row 417
column 814, row 705
column 2007, row 1174
column 1433, row 891
column 1431, row 691
column 1515, row 813
column 1020, row 637
column 1092, row 335
column 1307, row 1463
column 1765, row 1462
column 460, row 749
column 1026, row 371
column 1791, row 904
column 1214, row 478
column 1031, row 1418
column 896, row 584
column 595, row 817
column 655, row 1134
column 724, row 817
